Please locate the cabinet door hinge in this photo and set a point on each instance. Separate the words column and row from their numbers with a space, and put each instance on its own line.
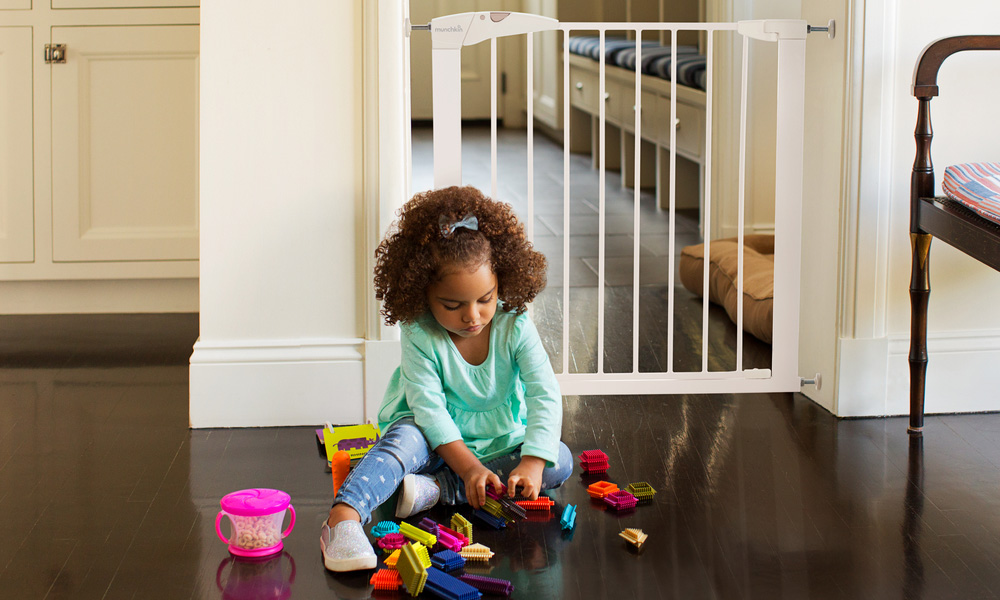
column 55, row 53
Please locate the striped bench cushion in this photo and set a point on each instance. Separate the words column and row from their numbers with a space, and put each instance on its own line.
column 975, row 186
column 656, row 59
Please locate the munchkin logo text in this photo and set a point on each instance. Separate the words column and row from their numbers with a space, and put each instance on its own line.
column 452, row 29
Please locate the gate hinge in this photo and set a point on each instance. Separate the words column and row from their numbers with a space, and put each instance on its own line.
column 55, row 53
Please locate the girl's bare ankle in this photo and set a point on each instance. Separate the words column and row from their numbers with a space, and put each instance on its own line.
column 340, row 513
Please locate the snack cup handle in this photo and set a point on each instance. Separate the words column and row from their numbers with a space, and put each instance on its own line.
column 218, row 530
column 285, row 533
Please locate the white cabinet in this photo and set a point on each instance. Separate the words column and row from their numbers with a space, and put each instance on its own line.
column 16, row 186
column 99, row 155
column 125, row 144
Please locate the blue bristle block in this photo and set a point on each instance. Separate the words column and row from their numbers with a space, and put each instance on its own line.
column 568, row 520
column 445, row 586
column 492, row 521
column 447, row 560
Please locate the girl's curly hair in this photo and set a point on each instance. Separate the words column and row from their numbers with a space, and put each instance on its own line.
column 409, row 259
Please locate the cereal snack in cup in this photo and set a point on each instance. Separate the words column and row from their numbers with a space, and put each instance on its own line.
column 255, row 516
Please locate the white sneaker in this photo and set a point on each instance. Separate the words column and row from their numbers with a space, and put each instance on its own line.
column 346, row 547
column 419, row 492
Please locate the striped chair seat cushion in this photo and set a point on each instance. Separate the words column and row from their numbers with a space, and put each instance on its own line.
column 626, row 58
column 975, row 186
column 655, row 58
column 590, row 46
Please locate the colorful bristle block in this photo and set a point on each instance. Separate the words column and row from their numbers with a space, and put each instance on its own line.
column 450, row 539
column 568, row 519
column 390, row 561
column 422, row 553
column 543, row 503
column 593, row 461
column 634, row 536
column 492, row 521
column 445, row 586
column 386, row 579
column 384, row 527
column 411, row 570
column 601, row 489
column 476, row 553
column 416, row 534
column 495, row 508
column 448, row 560
column 462, row 525
column 511, row 508
column 429, row 525
column 620, row 500
column 391, row 541
column 642, row 491
column 489, row 585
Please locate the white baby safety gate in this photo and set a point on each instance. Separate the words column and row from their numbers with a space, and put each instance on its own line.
column 450, row 33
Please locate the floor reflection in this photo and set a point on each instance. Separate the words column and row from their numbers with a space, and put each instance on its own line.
column 269, row 578
column 913, row 508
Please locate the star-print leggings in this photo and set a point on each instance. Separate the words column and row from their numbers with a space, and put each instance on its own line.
column 403, row 450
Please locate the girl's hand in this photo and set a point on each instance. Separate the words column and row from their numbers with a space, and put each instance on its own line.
column 476, row 477
column 528, row 475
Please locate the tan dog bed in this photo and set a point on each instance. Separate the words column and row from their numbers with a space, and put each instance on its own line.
column 758, row 279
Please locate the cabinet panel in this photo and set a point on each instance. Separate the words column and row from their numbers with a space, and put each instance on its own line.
column 15, row 4
column 121, row 3
column 16, row 146
column 584, row 87
column 690, row 128
column 125, row 144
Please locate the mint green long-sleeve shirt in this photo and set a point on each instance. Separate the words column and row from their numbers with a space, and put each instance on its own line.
column 511, row 398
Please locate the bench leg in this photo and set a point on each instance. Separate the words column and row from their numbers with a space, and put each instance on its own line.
column 920, row 291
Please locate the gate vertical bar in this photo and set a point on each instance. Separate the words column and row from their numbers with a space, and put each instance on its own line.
column 601, row 199
column 530, row 85
column 790, row 107
column 673, row 199
column 707, row 209
column 566, row 257
column 742, row 199
column 493, row 118
column 637, row 161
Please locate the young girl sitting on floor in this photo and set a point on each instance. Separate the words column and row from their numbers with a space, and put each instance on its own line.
column 474, row 399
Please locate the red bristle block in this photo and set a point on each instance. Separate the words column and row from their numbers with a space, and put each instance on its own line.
column 543, row 503
column 386, row 579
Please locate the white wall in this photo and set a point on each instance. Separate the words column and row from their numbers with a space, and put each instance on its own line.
column 964, row 327
column 282, row 318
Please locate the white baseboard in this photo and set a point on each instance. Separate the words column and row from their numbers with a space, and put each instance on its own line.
column 874, row 375
column 276, row 383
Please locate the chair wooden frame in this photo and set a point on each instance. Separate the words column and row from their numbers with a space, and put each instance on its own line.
column 939, row 218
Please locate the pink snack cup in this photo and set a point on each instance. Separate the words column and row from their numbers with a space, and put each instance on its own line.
column 255, row 517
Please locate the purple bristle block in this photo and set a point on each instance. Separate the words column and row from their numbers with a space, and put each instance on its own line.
column 489, row 585
column 429, row 525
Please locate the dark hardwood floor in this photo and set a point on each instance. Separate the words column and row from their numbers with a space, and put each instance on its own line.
column 106, row 493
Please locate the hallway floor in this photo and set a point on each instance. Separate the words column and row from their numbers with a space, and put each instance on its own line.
column 106, row 493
